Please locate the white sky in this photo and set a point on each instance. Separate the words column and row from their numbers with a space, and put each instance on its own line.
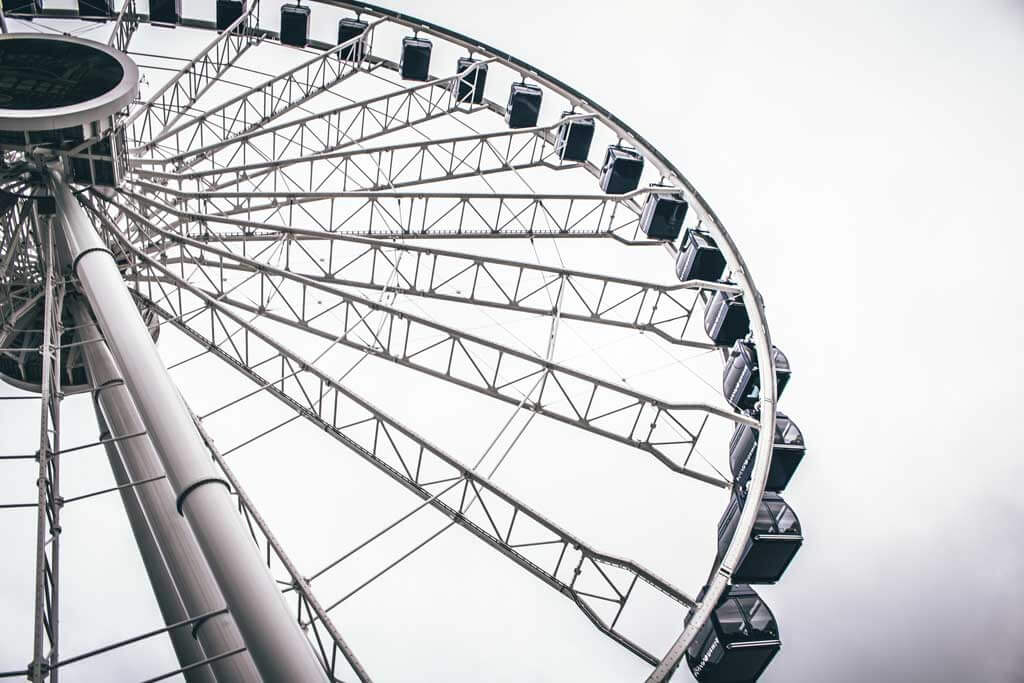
column 866, row 158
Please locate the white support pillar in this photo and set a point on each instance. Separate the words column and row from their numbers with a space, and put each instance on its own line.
column 165, row 536
column 277, row 645
column 186, row 648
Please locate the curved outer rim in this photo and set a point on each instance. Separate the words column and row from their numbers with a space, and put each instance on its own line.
column 80, row 113
column 751, row 298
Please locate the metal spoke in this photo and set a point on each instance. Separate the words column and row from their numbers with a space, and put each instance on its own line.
column 468, row 278
column 666, row 430
column 174, row 99
column 125, row 25
column 426, row 215
column 338, row 128
column 408, row 458
column 260, row 105
column 389, row 166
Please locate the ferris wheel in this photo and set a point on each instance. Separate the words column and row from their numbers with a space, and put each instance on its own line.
column 275, row 252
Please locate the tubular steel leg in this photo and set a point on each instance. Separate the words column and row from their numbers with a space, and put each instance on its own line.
column 187, row 648
column 277, row 645
column 190, row 576
column 46, row 622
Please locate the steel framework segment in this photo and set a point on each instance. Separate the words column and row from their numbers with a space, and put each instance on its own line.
column 191, row 578
column 468, row 278
column 387, row 166
column 423, row 468
column 46, row 623
column 177, row 96
column 595, row 405
column 124, row 27
column 328, row 131
column 412, row 215
column 277, row 646
column 417, row 464
column 633, row 306
column 258, row 106
column 21, row 278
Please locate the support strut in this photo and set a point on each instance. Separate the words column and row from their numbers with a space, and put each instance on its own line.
column 165, row 536
column 277, row 646
column 186, row 648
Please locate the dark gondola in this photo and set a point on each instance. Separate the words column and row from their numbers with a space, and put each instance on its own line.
column 415, row 64
column 741, row 382
column 737, row 642
column 347, row 30
column 29, row 7
column 103, row 9
column 725, row 319
column 663, row 216
column 470, row 87
column 773, row 541
column 523, row 105
column 167, row 12
column 574, row 137
column 787, row 451
column 294, row 25
column 228, row 12
column 620, row 172
column 699, row 257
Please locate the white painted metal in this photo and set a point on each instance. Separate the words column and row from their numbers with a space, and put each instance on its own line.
column 192, row 580
column 277, row 646
column 99, row 108
column 186, row 648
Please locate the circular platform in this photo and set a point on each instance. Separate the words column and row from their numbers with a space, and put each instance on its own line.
column 49, row 82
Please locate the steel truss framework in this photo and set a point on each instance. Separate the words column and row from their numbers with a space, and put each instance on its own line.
column 455, row 276
column 47, row 623
column 319, row 207
column 668, row 431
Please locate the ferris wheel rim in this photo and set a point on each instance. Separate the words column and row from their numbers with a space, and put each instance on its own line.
column 751, row 297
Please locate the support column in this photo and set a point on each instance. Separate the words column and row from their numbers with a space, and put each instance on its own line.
column 186, row 648
column 277, row 645
column 184, row 586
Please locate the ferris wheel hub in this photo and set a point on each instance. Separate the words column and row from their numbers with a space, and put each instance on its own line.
column 63, row 96
column 53, row 82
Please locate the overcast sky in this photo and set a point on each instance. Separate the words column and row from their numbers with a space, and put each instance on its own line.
column 866, row 157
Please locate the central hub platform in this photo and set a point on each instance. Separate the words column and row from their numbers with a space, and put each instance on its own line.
column 66, row 97
column 58, row 82
column 36, row 73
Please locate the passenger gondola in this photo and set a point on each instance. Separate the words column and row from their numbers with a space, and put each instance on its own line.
column 228, row 12
column 294, row 25
column 523, row 105
column 470, row 86
column 773, row 541
column 787, row 451
column 415, row 64
column 621, row 170
column 741, row 380
column 347, row 30
column 726, row 319
column 663, row 216
column 738, row 641
column 574, row 137
column 699, row 257
column 166, row 12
